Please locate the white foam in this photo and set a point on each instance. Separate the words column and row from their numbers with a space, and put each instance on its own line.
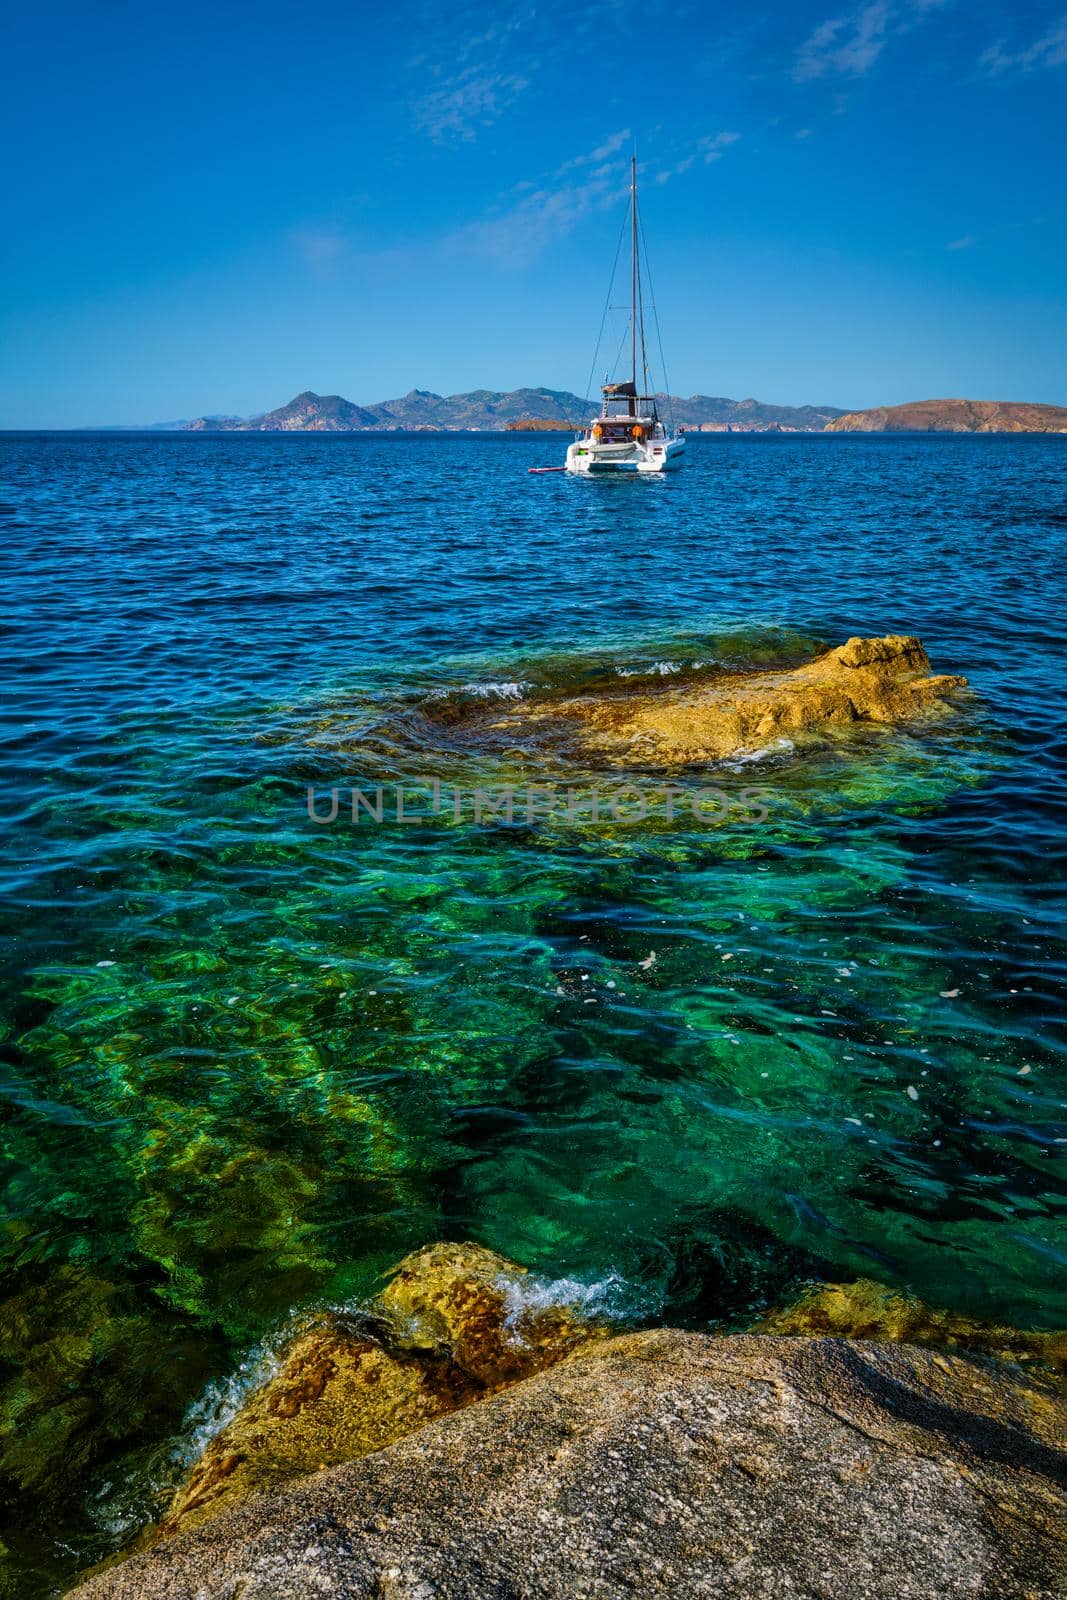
column 662, row 669
column 220, row 1402
column 120, row 1507
column 748, row 758
column 496, row 691
column 612, row 1298
column 490, row 690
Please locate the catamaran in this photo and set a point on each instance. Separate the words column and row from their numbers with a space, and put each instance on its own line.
column 628, row 435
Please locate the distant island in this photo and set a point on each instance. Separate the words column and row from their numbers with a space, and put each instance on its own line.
column 486, row 410
column 954, row 416
column 540, row 425
column 559, row 411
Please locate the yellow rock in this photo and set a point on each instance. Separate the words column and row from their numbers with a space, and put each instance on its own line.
column 865, row 680
column 336, row 1396
column 882, row 681
column 456, row 1325
column 467, row 1302
column 868, row 1310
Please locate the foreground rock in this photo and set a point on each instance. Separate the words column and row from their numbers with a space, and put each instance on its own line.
column 671, row 1464
column 453, row 1325
column 336, row 1396
column 865, row 680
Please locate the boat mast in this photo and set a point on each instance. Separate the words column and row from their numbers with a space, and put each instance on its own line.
column 633, row 271
column 637, row 305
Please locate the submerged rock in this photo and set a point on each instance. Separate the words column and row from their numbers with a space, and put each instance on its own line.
column 453, row 1324
column 87, row 1367
column 868, row 1310
column 92, row 1371
column 865, row 680
column 674, row 1464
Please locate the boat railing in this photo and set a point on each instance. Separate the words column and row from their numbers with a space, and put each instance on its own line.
column 629, row 406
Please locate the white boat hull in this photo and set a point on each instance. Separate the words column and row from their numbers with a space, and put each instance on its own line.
column 588, row 456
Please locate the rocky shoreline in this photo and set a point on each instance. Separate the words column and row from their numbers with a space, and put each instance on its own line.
column 468, row 1438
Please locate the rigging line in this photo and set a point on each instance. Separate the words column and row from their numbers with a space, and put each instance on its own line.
column 607, row 307
column 659, row 336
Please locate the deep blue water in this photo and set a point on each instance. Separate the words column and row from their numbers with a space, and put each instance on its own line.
column 250, row 1061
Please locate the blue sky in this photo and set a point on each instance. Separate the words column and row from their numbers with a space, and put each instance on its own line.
column 211, row 207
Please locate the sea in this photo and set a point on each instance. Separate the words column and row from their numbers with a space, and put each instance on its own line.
column 258, row 1044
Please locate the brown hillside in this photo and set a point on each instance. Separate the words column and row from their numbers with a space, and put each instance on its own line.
column 955, row 416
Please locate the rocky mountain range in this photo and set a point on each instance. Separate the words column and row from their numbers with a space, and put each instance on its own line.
column 488, row 410
column 491, row 409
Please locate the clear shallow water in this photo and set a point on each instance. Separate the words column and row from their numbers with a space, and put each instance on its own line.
column 249, row 1061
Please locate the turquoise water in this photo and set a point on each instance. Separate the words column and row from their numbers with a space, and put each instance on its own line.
column 686, row 1063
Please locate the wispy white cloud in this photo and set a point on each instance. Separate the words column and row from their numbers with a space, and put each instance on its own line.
column 967, row 241
column 849, row 45
column 613, row 142
column 471, row 100
column 536, row 216
column 603, row 151
column 469, row 74
column 708, row 149
column 322, row 250
column 712, row 147
column 667, row 173
column 675, row 172
column 546, row 214
column 1048, row 51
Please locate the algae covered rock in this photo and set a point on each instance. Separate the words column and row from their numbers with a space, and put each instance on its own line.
column 672, row 1464
column 225, row 1225
column 868, row 1310
column 450, row 1325
column 335, row 1396
column 467, row 1302
column 883, row 681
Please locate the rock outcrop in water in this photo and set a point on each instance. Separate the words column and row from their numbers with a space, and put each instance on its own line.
column 675, row 1464
column 868, row 1310
column 883, row 681
column 452, row 1326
